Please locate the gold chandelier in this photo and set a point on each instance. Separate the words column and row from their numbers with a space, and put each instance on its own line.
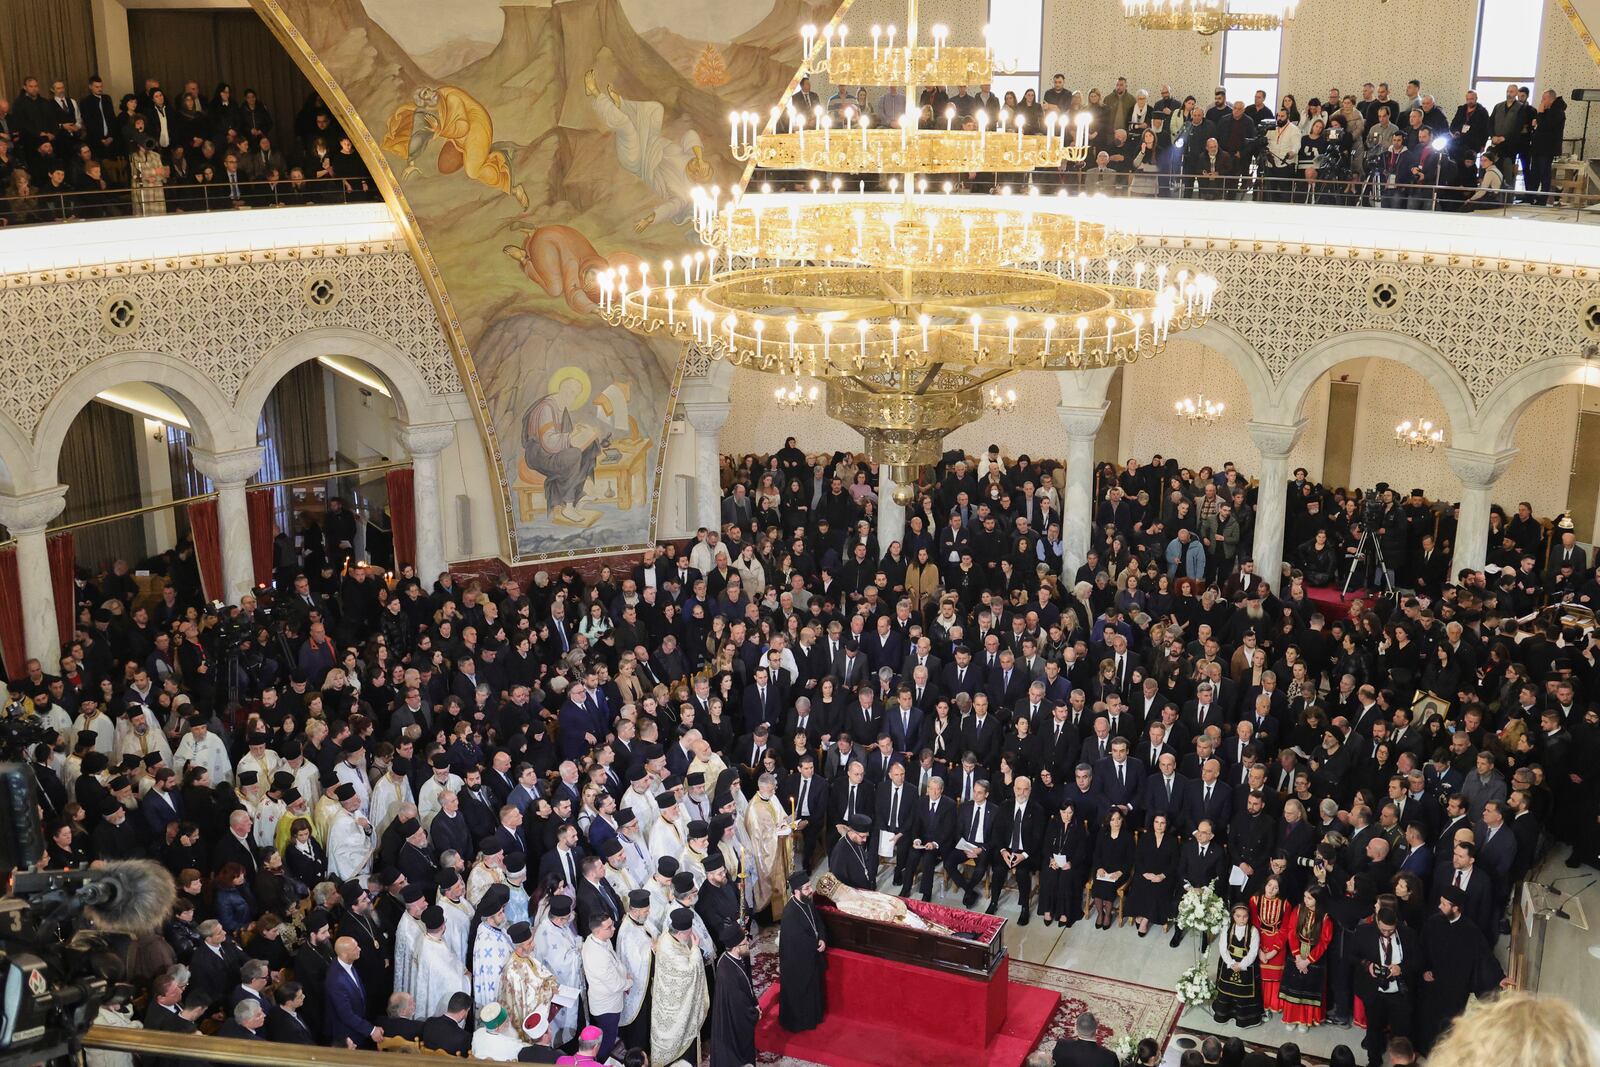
column 1419, row 436
column 1208, row 17
column 908, row 306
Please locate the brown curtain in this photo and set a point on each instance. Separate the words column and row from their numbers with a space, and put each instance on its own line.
column 217, row 46
column 297, row 421
column 100, row 466
column 49, row 40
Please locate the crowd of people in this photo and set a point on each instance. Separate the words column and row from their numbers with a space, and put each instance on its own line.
column 66, row 157
column 1398, row 151
column 491, row 815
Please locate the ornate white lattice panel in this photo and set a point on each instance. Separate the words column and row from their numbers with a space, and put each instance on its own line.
column 1487, row 323
column 220, row 319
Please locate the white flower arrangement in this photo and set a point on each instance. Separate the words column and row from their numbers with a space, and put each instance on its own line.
column 1196, row 986
column 1124, row 1047
column 1202, row 912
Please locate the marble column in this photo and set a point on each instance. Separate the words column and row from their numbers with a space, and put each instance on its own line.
column 891, row 516
column 1274, row 440
column 707, row 418
column 424, row 441
column 26, row 516
column 1478, row 473
column 230, row 472
column 1082, row 424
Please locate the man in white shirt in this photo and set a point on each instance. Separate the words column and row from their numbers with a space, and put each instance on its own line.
column 608, row 980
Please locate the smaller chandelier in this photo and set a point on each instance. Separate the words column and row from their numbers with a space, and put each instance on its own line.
column 1198, row 410
column 1207, row 17
column 795, row 397
column 1001, row 403
column 1419, row 436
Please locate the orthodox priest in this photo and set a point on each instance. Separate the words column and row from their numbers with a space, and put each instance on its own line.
column 527, row 987
column 734, row 1009
column 489, row 945
column 1457, row 961
column 678, row 998
column 770, row 833
column 802, row 959
column 636, row 945
column 559, row 948
column 439, row 973
column 848, row 861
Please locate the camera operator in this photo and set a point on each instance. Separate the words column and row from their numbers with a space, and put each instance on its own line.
column 1282, row 149
column 1236, row 137
column 1387, row 961
column 1387, row 170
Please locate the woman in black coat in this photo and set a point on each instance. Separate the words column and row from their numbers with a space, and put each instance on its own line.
column 305, row 861
column 1155, row 876
column 1113, row 865
column 1066, row 851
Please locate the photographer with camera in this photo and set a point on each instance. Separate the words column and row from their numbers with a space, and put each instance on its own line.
column 1387, row 961
column 1282, row 149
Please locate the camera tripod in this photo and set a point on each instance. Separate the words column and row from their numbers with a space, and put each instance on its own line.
column 1385, row 578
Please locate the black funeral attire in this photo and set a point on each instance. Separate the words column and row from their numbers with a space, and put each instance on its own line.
column 734, row 1011
column 1061, row 889
column 1153, row 900
column 1461, row 962
column 801, row 966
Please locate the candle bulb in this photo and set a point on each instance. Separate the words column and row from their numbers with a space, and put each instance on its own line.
column 1083, row 329
column 790, row 327
column 1022, row 120
column 977, row 321
column 827, row 127
column 894, row 337
column 986, row 45
column 861, row 329
column 672, row 296
column 844, row 31
column 1110, row 322
column 733, row 130
column 865, row 122
column 728, row 323
column 666, row 267
column 760, row 328
column 876, row 30
column 827, row 41
column 949, row 117
column 890, row 47
column 1011, row 335
column 1049, row 328
column 808, row 35
column 827, row 337
column 923, row 321
column 1138, row 321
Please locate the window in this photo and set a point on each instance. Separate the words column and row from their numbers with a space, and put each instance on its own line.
column 1016, row 37
column 1250, row 59
column 1507, row 51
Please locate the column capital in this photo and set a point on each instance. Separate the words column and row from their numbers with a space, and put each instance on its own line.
column 1275, row 439
column 706, row 416
column 1479, row 470
column 1082, row 421
column 30, row 513
column 427, row 438
column 232, row 468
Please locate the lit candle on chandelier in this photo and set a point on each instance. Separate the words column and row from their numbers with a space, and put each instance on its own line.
column 1011, row 335
column 865, row 122
column 790, row 327
column 1049, row 328
column 890, row 47
column 923, row 321
column 1022, row 120
column 622, row 285
column 1083, row 130
column 966, row 235
column 1111, row 322
column 1083, row 329
column 1050, row 126
column 672, row 296
column 694, row 318
column 728, row 324
column 986, row 45
column 1138, row 321
column 666, row 267
column 861, row 329
column 983, row 130
column 733, row 130
column 827, row 41
column 1111, row 270
column 844, row 31
column 976, row 321
column 876, row 30
column 826, row 122
column 827, row 336
column 760, row 328
column 797, row 121
column 808, row 37
column 940, row 34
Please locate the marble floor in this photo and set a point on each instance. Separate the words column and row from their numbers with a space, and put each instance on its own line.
column 1570, row 967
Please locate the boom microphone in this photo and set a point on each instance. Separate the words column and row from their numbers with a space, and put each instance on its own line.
column 130, row 896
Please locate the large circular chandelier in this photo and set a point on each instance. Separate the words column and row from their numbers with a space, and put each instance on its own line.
column 1420, row 435
column 1207, row 17
column 909, row 303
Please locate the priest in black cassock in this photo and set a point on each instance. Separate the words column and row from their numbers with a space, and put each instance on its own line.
column 1457, row 960
column 849, row 861
column 719, row 900
column 734, row 1009
column 802, row 944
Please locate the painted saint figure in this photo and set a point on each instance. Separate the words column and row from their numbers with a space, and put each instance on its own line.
column 670, row 168
column 467, row 131
column 561, row 450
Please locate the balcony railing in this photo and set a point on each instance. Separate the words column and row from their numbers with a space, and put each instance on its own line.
column 48, row 207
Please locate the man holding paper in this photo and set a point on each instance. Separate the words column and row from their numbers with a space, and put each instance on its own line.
column 933, row 836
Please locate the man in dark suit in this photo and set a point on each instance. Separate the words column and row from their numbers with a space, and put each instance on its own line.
column 980, row 733
column 933, row 836
column 805, row 793
column 347, row 1000
column 563, row 859
column 763, row 703
column 167, row 1013
column 975, row 825
column 852, row 795
column 1497, row 852
column 247, row 1022
column 1167, row 793
column 1200, row 864
column 450, row 1032
column 1020, row 833
column 892, row 815
column 595, row 896
column 284, row 1021
column 903, row 723
column 1008, row 683
column 963, row 675
column 1083, row 1050
column 1121, row 778
column 1388, row 962
column 1055, row 743
column 1476, row 883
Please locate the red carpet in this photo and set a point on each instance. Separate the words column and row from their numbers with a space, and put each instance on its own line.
column 856, row 1032
column 1328, row 602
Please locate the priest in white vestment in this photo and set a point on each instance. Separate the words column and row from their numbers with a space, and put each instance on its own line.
column 439, row 974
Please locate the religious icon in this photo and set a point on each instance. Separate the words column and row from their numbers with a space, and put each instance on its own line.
column 464, row 125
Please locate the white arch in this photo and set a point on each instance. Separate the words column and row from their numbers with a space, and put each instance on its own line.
column 210, row 416
column 1242, row 356
column 413, row 402
column 1503, row 407
column 1426, row 360
column 16, row 457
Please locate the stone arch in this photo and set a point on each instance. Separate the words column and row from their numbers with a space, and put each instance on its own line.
column 15, row 456
column 1503, row 407
column 211, row 419
column 412, row 400
column 1292, row 390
